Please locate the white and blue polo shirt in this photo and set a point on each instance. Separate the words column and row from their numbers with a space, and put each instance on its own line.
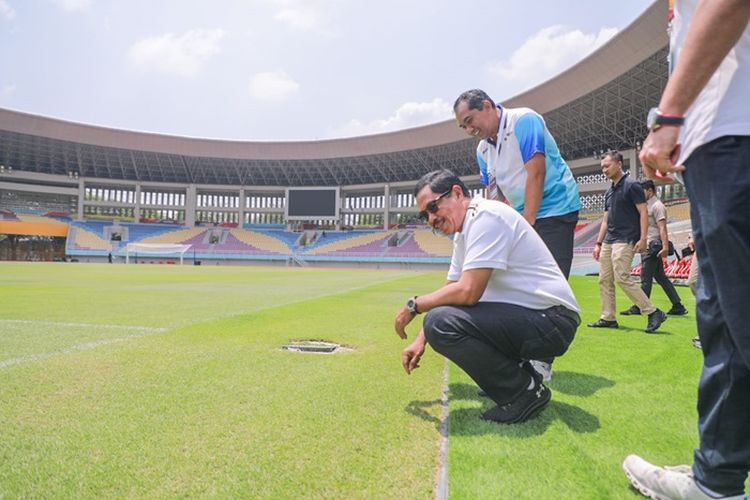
column 523, row 134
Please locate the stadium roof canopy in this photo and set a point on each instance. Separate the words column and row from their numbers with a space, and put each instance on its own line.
column 599, row 103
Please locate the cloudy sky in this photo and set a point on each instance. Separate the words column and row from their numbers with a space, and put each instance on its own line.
column 285, row 69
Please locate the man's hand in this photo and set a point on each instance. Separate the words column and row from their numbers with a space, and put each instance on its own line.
column 659, row 154
column 597, row 252
column 663, row 252
column 403, row 318
column 411, row 355
column 640, row 246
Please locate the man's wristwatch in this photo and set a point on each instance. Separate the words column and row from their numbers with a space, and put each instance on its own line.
column 656, row 119
column 411, row 305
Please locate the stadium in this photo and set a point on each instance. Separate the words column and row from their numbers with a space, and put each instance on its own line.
column 229, row 200
column 160, row 380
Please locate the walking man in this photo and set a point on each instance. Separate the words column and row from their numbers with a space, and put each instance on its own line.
column 657, row 248
column 623, row 233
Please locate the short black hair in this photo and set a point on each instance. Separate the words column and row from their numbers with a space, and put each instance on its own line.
column 614, row 154
column 474, row 99
column 648, row 184
column 440, row 181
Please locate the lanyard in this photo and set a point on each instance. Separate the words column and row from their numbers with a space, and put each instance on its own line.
column 493, row 192
column 501, row 130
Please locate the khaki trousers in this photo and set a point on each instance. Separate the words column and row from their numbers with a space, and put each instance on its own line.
column 616, row 260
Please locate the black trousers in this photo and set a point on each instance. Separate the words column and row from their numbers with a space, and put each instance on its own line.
column 490, row 339
column 653, row 268
column 718, row 183
column 558, row 233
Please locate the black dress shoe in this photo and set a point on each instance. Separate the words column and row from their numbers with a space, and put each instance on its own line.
column 655, row 319
column 604, row 323
column 678, row 310
column 633, row 311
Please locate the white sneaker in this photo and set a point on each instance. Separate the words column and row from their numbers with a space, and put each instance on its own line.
column 542, row 368
column 664, row 483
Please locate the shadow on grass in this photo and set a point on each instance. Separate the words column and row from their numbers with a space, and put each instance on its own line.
column 468, row 421
column 578, row 384
column 417, row 408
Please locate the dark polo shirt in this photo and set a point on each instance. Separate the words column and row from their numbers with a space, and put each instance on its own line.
column 623, row 219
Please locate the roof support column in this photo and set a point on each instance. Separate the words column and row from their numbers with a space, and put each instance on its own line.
column 241, row 207
column 191, row 200
column 632, row 156
column 340, row 220
column 81, row 193
column 387, row 207
column 137, row 209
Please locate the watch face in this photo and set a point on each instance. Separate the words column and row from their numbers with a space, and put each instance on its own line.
column 651, row 119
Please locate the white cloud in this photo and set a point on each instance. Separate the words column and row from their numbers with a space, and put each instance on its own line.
column 548, row 52
column 7, row 91
column 182, row 55
column 410, row 114
column 296, row 18
column 273, row 86
column 305, row 15
column 74, row 5
column 6, row 10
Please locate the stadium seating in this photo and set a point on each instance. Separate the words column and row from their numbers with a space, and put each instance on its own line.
column 368, row 244
column 84, row 239
column 138, row 232
column 176, row 236
column 433, row 244
column 8, row 215
column 260, row 241
column 37, row 219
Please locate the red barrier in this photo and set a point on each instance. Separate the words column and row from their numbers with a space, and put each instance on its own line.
column 675, row 269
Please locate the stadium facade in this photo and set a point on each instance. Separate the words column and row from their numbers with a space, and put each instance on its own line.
column 93, row 172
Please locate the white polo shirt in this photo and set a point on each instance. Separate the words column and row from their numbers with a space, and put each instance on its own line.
column 524, row 272
column 722, row 107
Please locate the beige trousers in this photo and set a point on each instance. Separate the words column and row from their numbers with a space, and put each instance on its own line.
column 616, row 260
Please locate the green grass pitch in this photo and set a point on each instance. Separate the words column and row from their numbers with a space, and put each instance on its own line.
column 162, row 381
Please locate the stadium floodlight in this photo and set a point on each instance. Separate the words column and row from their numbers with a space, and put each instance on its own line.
column 156, row 250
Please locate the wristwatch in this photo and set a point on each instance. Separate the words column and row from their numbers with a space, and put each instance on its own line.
column 656, row 120
column 411, row 305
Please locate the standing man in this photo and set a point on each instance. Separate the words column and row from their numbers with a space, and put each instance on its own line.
column 505, row 301
column 702, row 128
column 519, row 157
column 622, row 234
column 657, row 248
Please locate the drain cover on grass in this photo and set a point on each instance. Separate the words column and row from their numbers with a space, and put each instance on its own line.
column 318, row 346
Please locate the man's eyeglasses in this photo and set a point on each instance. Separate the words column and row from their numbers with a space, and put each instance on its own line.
column 432, row 206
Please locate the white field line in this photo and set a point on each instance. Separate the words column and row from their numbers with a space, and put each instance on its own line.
column 146, row 329
column 442, row 474
column 143, row 331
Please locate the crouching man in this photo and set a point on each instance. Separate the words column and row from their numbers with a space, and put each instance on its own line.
column 506, row 300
